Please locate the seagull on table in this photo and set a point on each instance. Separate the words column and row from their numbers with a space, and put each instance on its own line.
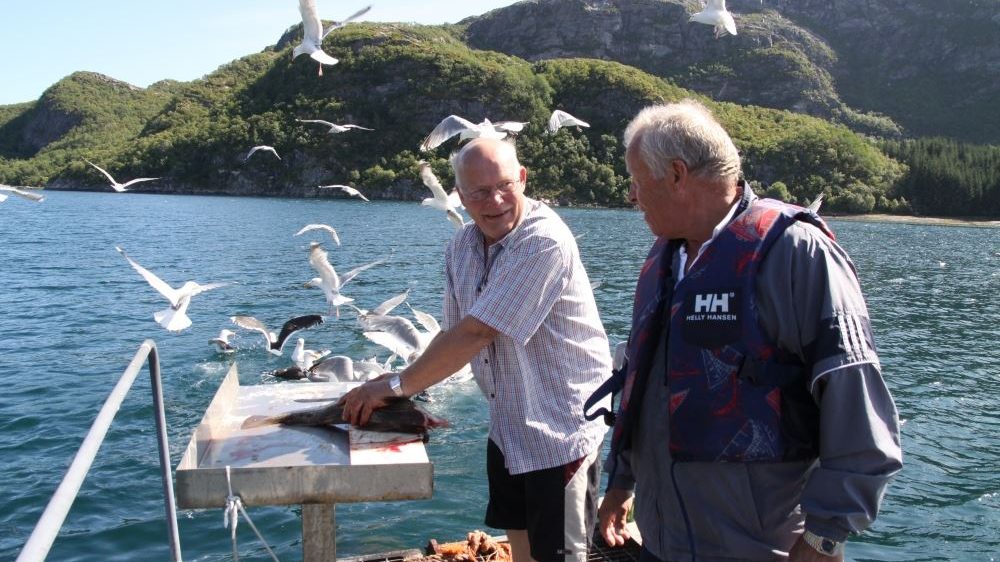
column 222, row 341
column 263, row 147
column 346, row 189
column 305, row 358
column 716, row 15
column 328, row 279
column 20, row 192
column 119, row 187
column 335, row 128
column 324, row 227
column 275, row 342
column 174, row 318
column 454, row 125
column 441, row 200
column 560, row 118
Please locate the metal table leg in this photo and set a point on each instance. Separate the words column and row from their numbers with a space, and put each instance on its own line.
column 319, row 532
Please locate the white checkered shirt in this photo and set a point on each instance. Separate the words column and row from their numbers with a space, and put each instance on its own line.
column 551, row 352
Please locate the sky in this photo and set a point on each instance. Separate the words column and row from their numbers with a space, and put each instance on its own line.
column 145, row 41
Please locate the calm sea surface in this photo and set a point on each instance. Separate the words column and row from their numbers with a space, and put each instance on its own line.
column 72, row 314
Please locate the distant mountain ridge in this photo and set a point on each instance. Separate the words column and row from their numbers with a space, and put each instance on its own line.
column 401, row 79
column 930, row 66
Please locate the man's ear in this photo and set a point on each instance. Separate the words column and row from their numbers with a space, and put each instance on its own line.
column 679, row 169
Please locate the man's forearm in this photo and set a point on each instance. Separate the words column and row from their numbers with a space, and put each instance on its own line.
column 448, row 353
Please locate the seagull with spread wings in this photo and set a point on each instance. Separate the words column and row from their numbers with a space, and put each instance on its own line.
column 454, row 125
column 313, row 33
column 174, row 318
column 346, row 189
column 440, row 200
column 335, row 128
column 324, row 227
column 716, row 15
column 20, row 192
column 275, row 342
column 264, row 148
column 222, row 341
column 560, row 118
column 328, row 280
column 119, row 187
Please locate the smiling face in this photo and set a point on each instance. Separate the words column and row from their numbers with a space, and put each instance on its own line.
column 483, row 165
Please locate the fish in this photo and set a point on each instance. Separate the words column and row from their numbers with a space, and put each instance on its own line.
column 400, row 415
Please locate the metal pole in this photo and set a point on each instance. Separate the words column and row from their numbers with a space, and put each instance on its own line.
column 169, row 500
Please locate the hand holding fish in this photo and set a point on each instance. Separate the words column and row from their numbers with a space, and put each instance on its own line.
column 360, row 402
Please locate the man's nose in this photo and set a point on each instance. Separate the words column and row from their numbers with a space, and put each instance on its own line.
column 632, row 189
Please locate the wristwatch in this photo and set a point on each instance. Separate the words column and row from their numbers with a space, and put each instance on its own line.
column 823, row 545
column 396, row 384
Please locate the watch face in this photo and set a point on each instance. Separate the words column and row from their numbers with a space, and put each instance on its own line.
column 828, row 546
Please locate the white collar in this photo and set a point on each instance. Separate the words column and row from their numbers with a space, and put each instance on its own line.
column 715, row 232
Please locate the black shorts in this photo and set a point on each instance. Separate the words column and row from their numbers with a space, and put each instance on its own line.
column 557, row 506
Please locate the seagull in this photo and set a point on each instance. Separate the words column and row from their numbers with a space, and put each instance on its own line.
column 454, row 125
column 328, row 279
column 305, row 358
column 441, row 200
column 335, row 128
column 222, row 341
column 274, row 342
column 263, row 147
column 20, row 192
column 328, row 228
column 346, row 189
column 335, row 368
column 426, row 320
column 717, row 16
column 816, row 203
column 119, row 187
column 312, row 36
column 384, row 308
column 337, row 25
column 562, row 119
column 174, row 318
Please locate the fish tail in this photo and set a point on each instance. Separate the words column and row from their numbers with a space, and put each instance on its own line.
column 259, row 421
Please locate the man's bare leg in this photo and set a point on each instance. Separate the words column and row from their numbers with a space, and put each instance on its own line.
column 520, row 550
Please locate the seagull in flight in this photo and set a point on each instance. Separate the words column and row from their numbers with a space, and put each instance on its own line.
column 560, row 118
column 325, row 227
column 346, row 189
column 20, row 192
column 716, row 15
column 454, row 125
column 328, row 280
column 275, row 342
column 335, row 128
column 174, row 318
column 222, row 341
column 119, row 187
column 441, row 200
column 337, row 25
column 263, row 147
column 313, row 34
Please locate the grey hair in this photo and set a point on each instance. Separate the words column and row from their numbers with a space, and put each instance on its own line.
column 507, row 155
column 687, row 131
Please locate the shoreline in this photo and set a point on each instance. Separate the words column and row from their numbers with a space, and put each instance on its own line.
column 911, row 219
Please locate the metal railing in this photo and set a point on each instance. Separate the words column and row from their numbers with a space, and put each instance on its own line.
column 48, row 526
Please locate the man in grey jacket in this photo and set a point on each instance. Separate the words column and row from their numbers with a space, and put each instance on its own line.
column 754, row 422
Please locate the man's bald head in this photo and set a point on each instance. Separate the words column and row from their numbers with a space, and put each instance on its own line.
column 493, row 153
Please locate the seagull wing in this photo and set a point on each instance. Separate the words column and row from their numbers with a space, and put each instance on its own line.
column 390, row 342
column 347, row 20
column 327, row 228
column 447, row 128
column 560, row 118
column 354, row 272
column 510, row 126
column 320, row 121
column 103, row 171
column 197, row 288
column 401, row 328
column 294, row 325
column 728, row 23
column 426, row 320
column 816, row 203
column 312, row 27
column 455, row 218
column 357, row 127
column 321, row 263
column 387, row 306
column 161, row 286
column 251, row 323
column 137, row 180
column 432, row 183
column 22, row 193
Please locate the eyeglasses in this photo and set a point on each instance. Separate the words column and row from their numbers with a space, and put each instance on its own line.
column 482, row 193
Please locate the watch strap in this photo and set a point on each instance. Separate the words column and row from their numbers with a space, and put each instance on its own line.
column 823, row 545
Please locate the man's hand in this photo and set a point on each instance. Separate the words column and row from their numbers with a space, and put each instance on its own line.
column 361, row 401
column 612, row 513
column 802, row 552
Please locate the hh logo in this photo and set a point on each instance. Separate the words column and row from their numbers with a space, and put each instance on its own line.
column 713, row 302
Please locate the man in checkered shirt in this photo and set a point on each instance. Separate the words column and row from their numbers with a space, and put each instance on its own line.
column 519, row 308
